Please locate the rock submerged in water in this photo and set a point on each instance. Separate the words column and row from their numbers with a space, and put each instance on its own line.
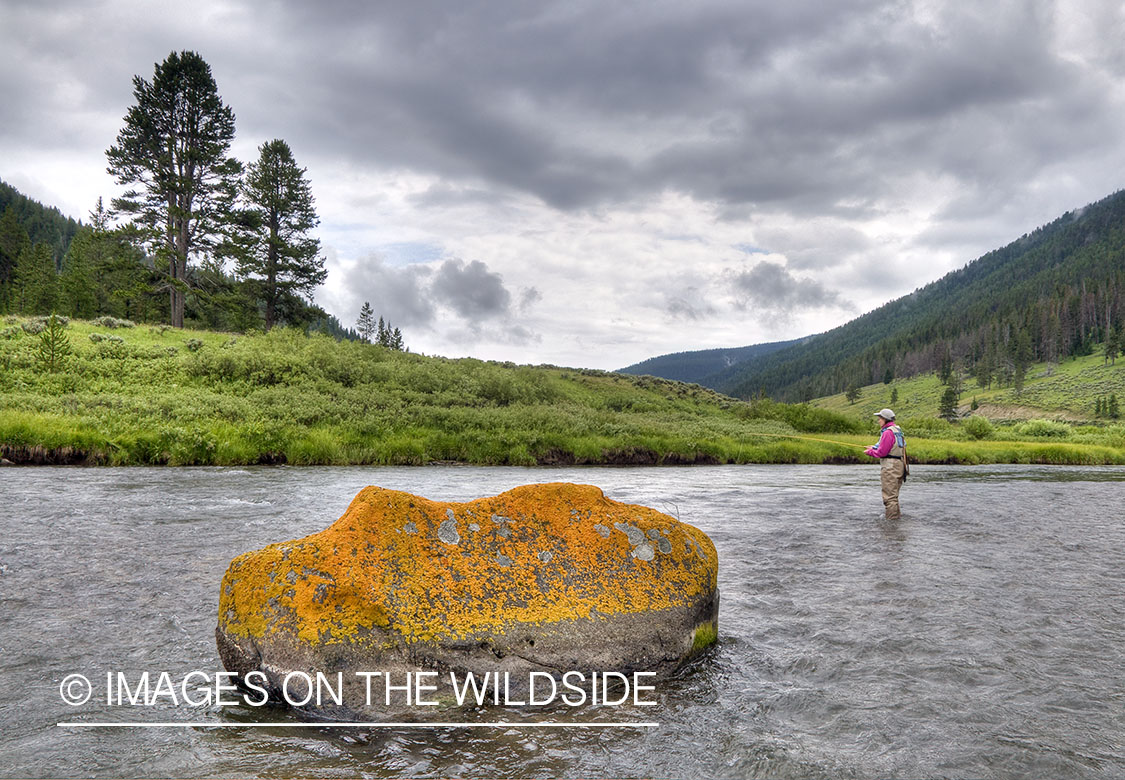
column 545, row 578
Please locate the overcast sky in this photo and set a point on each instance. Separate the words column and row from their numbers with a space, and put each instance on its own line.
column 590, row 183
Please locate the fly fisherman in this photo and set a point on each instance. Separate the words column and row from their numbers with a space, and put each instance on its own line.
column 891, row 451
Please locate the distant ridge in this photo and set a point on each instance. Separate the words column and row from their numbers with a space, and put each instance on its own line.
column 702, row 366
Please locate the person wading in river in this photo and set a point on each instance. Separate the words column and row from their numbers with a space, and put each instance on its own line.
column 891, row 451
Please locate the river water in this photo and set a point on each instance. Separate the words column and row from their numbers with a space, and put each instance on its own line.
column 983, row 635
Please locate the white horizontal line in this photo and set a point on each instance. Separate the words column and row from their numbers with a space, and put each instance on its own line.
column 371, row 725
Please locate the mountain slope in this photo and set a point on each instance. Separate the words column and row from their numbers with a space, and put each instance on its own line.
column 43, row 224
column 1048, row 295
column 699, row 366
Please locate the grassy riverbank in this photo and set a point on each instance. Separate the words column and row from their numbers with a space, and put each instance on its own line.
column 155, row 395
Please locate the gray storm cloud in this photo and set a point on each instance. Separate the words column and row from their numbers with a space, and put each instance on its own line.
column 471, row 290
column 398, row 293
column 770, row 286
column 803, row 106
column 415, row 295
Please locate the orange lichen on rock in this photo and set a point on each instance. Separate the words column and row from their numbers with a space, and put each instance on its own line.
column 400, row 566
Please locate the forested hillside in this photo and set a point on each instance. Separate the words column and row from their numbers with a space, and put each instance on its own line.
column 43, row 224
column 38, row 234
column 700, row 366
column 1054, row 293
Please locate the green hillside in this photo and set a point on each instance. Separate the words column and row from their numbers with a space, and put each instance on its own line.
column 1045, row 297
column 136, row 394
column 152, row 394
column 1066, row 391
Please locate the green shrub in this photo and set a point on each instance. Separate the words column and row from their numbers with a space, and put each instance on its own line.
column 113, row 322
column 1044, row 429
column 928, row 427
column 100, row 337
column 193, row 345
column 801, row 417
column 977, row 427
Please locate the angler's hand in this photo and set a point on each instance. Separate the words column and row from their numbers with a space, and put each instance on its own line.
column 869, row 451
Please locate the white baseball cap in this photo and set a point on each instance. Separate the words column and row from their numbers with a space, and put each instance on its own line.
column 886, row 414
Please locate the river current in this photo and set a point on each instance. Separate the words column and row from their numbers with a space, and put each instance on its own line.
column 983, row 635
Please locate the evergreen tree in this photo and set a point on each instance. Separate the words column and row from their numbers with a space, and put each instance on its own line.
column 54, row 344
column 122, row 283
column 219, row 301
column 366, row 322
column 888, row 376
column 894, row 396
column 1098, row 406
column 852, row 394
column 396, row 341
column 945, row 369
column 13, row 242
column 1021, row 359
column 983, row 369
column 78, row 287
column 174, row 148
column 1112, row 345
column 381, row 334
column 36, row 283
column 1112, row 410
column 948, row 406
column 276, row 250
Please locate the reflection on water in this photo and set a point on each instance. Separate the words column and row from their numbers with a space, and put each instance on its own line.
column 981, row 635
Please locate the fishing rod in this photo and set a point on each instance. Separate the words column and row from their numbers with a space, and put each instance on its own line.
column 811, row 438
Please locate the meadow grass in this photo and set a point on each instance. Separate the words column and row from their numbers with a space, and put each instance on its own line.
column 1066, row 390
column 157, row 395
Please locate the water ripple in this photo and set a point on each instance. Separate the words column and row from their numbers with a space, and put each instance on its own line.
column 982, row 635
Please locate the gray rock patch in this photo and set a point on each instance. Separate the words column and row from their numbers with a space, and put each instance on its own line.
column 546, row 556
column 448, row 531
column 634, row 534
column 503, row 560
column 603, row 531
column 644, row 552
column 410, row 528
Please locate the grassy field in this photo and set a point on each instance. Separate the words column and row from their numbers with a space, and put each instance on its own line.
column 155, row 395
column 1062, row 391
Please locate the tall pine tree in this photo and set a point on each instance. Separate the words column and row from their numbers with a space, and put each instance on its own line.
column 175, row 150
column 276, row 251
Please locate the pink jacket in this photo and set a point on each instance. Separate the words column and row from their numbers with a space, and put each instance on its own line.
column 886, row 442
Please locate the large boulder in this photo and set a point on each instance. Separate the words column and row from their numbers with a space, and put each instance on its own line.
column 552, row 577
